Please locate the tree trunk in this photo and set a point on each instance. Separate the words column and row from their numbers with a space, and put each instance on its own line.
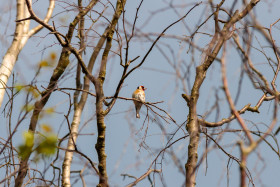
column 39, row 105
column 21, row 36
column 100, row 144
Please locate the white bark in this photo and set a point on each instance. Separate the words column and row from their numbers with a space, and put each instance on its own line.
column 70, row 147
column 21, row 36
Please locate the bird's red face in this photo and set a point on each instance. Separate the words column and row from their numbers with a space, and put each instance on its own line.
column 142, row 88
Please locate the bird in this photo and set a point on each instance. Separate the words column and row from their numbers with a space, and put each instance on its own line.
column 139, row 94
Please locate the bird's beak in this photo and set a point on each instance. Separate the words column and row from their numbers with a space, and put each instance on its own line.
column 145, row 89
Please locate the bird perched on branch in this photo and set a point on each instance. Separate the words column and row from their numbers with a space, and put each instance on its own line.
column 139, row 94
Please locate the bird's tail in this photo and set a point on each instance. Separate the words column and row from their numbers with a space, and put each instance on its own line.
column 137, row 112
column 137, row 115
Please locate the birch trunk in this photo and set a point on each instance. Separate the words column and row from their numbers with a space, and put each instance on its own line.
column 21, row 36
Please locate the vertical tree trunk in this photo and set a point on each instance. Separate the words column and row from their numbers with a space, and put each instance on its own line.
column 212, row 51
column 39, row 105
column 193, row 128
column 70, row 146
column 21, row 36
column 12, row 53
column 100, row 144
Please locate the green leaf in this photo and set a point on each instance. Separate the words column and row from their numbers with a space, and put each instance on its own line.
column 28, row 137
column 48, row 145
column 19, row 87
column 24, row 151
column 26, row 148
column 28, row 107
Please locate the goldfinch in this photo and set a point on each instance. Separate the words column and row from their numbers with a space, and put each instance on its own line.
column 139, row 94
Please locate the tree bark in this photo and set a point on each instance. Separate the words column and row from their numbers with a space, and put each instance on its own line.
column 100, row 145
column 21, row 36
column 211, row 53
column 39, row 105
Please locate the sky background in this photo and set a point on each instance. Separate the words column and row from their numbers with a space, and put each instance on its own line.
column 126, row 153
